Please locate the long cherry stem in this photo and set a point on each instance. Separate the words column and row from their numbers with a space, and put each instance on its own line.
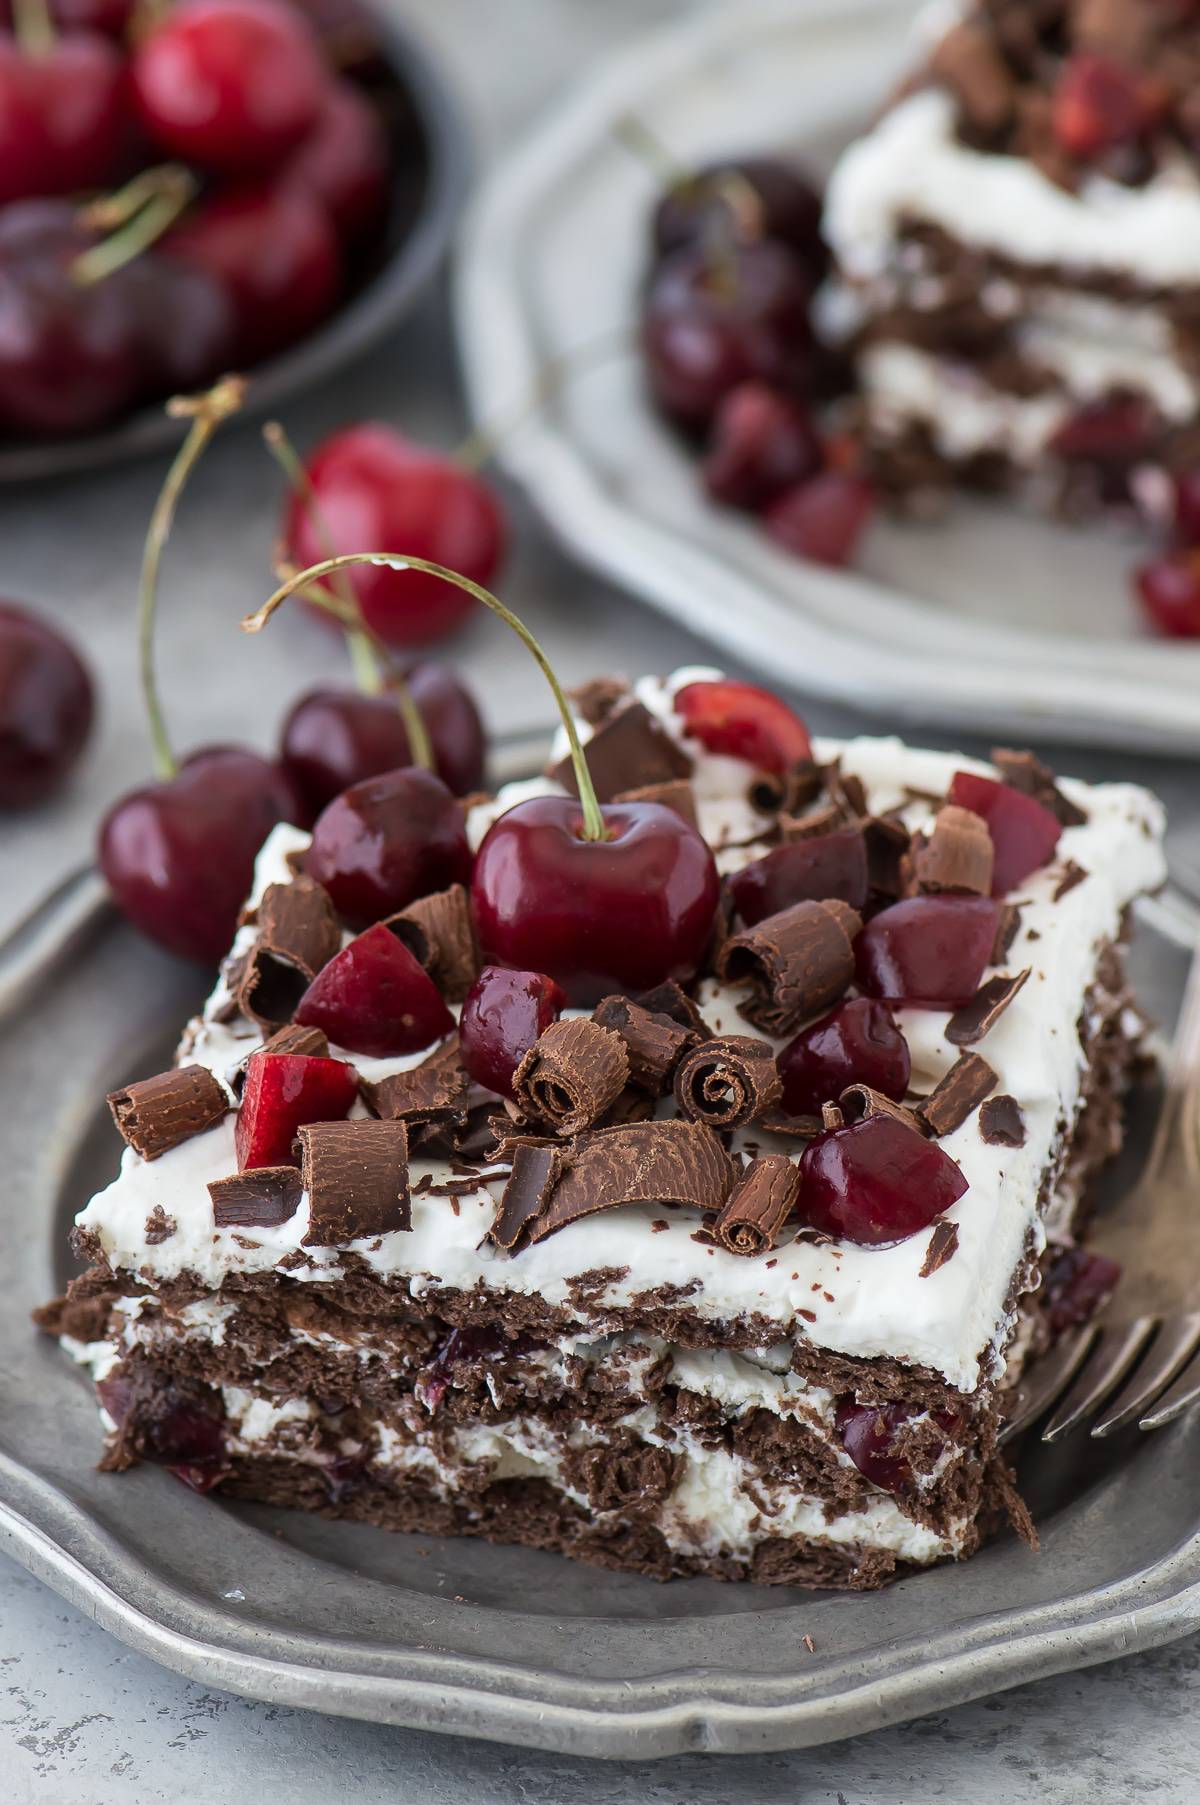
column 593, row 820
column 164, row 195
column 206, row 413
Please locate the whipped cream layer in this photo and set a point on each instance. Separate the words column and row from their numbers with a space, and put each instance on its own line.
column 855, row 1300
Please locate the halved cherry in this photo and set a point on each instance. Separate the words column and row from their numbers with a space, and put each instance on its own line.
column 821, row 869
column 504, row 1013
column 857, row 1043
column 373, row 997
column 743, row 721
column 876, row 1181
column 282, row 1092
column 1024, row 832
column 927, row 951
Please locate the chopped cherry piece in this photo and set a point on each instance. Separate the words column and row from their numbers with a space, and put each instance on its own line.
column 1187, row 506
column 45, row 707
column 1106, row 432
column 1099, row 105
column 870, row 1434
column 178, row 1424
column 824, row 519
column 283, row 1091
column 740, row 720
column 697, row 208
column 504, row 1013
column 1077, row 1283
column 1024, row 832
column 825, row 868
column 386, row 841
column 876, row 1181
column 927, row 951
column 373, row 997
column 1169, row 589
column 472, row 1343
column 763, row 442
column 857, row 1043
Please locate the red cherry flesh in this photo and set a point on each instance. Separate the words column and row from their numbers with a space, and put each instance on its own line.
column 1169, row 591
column 740, row 720
column 871, row 1434
column 823, row 520
column 46, row 706
column 1024, row 832
column 857, row 1043
column 343, row 162
column 283, row 1091
column 621, row 914
column 179, row 855
column 504, row 1013
column 1099, row 105
column 386, row 841
column 825, row 868
column 875, row 1182
column 60, row 116
column 927, row 951
column 763, row 442
column 375, row 998
column 698, row 207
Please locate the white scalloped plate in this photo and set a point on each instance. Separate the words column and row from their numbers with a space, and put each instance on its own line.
column 989, row 621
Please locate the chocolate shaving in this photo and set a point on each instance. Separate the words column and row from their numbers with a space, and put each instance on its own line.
column 796, row 1128
column 794, row 964
column 298, row 934
column 438, row 933
column 654, row 1042
column 647, row 1162
column 671, row 1000
column 264, row 1197
column 943, row 1245
column 1073, row 874
column 432, row 1091
column 980, row 1015
column 596, row 699
column 958, row 856
column 1001, row 1122
column 1007, row 924
column 1024, row 771
column 356, row 1176
column 162, row 1112
column 573, row 1072
column 813, row 826
column 536, row 1169
column 858, row 1101
column 628, row 750
column 159, row 1227
column 677, row 795
column 969, row 1080
column 887, row 844
column 758, row 1205
column 728, row 1082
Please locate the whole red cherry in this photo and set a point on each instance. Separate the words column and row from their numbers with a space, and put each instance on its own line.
column 503, row 1014
column 740, row 720
column 379, row 490
column 343, row 161
column 383, row 843
column 60, row 116
column 46, row 707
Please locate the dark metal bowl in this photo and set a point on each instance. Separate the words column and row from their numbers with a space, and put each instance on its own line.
column 430, row 149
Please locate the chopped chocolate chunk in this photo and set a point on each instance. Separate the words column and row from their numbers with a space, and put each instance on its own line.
column 655, row 1042
column 1001, row 1122
column 536, row 1168
column 958, row 856
column 431, row 1091
column 968, row 62
column 887, row 844
column 728, row 1082
column 437, row 931
column 356, row 1176
column 672, row 1000
column 678, row 795
column 159, row 1227
column 596, row 699
column 847, row 789
column 758, row 1205
column 943, row 1244
column 793, row 964
column 264, row 1197
column 1024, row 771
column 627, row 750
column 969, row 1080
column 796, row 1128
column 980, row 1015
column 162, row 1112
column 1007, row 924
column 859, row 1100
column 1073, row 874
column 646, row 1162
column 573, row 1072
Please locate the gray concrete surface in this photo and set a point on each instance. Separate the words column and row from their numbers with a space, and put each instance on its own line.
column 83, row 1722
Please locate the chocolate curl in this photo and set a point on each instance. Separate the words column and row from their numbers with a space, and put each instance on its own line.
column 308, row 1043
column 654, row 1042
column 298, row 934
column 647, row 1162
column 758, row 1205
column 1007, row 924
column 728, row 1082
column 536, row 1169
column 263, row 1197
column 672, row 1000
column 980, row 1015
column 958, row 856
column 784, row 793
column 858, row 1101
column 162, row 1112
column 437, row 931
column 628, row 749
column 433, row 1091
column 571, row 1074
column 677, row 795
column 888, row 843
column 969, row 1080
column 793, row 964
column 356, row 1176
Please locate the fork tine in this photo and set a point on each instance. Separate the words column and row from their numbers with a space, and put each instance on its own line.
column 1048, row 1379
column 1107, row 1365
column 1184, row 1392
column 1174, row 1346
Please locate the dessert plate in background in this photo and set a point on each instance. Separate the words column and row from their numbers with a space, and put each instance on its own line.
column 989, row 620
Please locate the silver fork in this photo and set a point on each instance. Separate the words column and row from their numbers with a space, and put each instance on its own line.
column 1148, row 1336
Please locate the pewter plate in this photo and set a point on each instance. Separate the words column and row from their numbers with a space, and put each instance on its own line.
column 990, row 620
column 503, row 1643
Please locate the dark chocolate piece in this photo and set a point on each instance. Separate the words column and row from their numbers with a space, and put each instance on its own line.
column 1024, row 771
column 159, row 1227
column 888, row 843
column 793, row 964
column 758, row 1205
column 356, row 1176
column 627, row 751
column 672, row 1000
column 647, row 1162
column 1001, row 1122
column 1006, row 932
column 958, row 855
column 795, row 1128
column 264, row 1197
column 654, row 1042
column 858, row 1101
column 943, row 1245
column 432, row 1091
column 571, row 1075
column 678, row 795
column 832, row 1117
column 969, row 1080
column 1073, row 874
column 596, row 699
column 978, row 1017
column 298, row 934
column 786, row 792
column 437, row 931
column 728, row 1082
column 162, row 1112
column 813, row 826
column 536, row 1168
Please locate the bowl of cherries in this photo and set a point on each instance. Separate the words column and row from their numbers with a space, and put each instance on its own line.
column 259, row 185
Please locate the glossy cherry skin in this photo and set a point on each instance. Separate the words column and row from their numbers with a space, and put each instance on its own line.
column 274, row 251
column 335, row 737
column 823, row 520
column 343, row 162
column 697, row 208
column 46, row 707
column 826, row 868
column 709, row 324
column 232, row 85
column 504, row 1013
column 375, row 998
column 179, row 855
column 875, row 1182
column 1099, row 105
column 386, row 841
column 763, row 442
column 621, row 914
column 60, row 116
column 857, row 1043
column 378, row 491
column 1169, row 591
column 928, row 951
column 740, row 720
column 1024, row 832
